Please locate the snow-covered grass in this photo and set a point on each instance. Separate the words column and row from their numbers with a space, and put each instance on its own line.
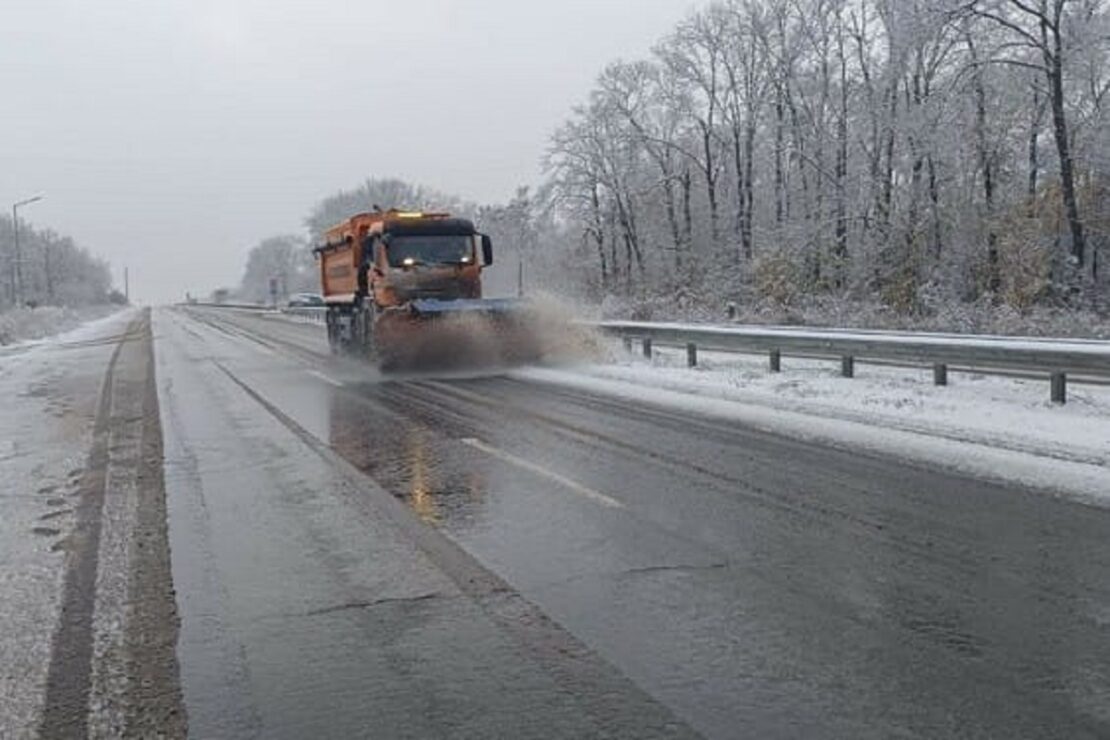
column 36, row 323
column 994, row 427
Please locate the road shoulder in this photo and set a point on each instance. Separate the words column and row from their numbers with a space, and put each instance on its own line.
column 112, row 670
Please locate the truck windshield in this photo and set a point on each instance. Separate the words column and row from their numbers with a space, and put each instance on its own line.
column 446, row 249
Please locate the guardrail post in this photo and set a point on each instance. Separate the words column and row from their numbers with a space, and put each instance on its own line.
column 848, row 366
column 940, row 374
column 691, row 355
column 1059, row 388
column 1047, row 360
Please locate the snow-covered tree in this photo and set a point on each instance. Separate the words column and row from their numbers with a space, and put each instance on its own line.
column 284, row 259
column 877, row 150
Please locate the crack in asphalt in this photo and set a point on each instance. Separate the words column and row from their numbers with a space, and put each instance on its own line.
column 372, row 603
column 670, row 568
column 641, row 570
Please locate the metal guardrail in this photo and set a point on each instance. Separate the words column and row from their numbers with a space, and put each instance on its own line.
column 1054, row 359
column 238, row 306
column 313, row 314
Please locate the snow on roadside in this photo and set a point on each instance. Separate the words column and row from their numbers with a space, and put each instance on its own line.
column 50, row 388
column 992, row 427
column 24, row 324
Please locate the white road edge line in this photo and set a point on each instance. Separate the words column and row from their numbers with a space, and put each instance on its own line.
column 325, row 377
column 578, row 488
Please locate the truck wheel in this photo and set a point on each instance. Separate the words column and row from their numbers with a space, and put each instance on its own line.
column 368, row 344
column 362, row 334
column 333, row 332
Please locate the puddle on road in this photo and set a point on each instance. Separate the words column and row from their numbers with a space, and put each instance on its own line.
column 415, row 463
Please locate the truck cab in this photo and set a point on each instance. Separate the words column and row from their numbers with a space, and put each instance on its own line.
column 382, row 272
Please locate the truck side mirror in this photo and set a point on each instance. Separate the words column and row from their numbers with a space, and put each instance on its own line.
column 487, row 250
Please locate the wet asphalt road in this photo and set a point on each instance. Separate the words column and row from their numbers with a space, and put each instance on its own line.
column 747, row 584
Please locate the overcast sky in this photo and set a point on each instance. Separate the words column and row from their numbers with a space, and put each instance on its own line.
column 171, row 135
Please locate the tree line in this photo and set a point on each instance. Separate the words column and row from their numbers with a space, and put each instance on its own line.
column 902, row 153
column 52, row 270
column 893, row 150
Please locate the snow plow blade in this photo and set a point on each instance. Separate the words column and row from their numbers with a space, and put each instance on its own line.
column 502, row 307
column 436, row 335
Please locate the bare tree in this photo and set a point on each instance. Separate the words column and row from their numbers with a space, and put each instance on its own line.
column 694, row 56
column 1037, row 32
column 285, row 259
column 635, row 92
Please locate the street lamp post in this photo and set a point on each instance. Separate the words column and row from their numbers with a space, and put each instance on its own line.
column 18, row 283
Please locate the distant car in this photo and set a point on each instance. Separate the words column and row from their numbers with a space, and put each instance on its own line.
column 303, row 300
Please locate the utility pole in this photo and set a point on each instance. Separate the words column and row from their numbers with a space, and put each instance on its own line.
column 48, row 268
column 17, row 272
column 11, row 277
column 126, row 286
column 18, row 284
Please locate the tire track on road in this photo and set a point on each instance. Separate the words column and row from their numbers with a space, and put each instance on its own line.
column 113, row 667
column 69, row 678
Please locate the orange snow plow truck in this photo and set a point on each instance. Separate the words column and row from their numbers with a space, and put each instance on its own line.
column 405, row 288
